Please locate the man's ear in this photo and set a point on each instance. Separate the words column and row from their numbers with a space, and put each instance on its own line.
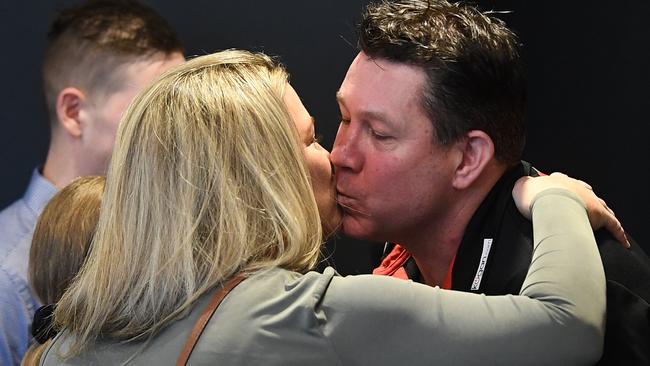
column 68, row 109
column 477, row 150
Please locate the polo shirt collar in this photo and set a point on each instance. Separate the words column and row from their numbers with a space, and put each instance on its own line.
column 38, row 193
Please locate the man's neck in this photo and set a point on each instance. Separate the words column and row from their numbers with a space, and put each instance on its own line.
column 65, row 162
column 434, row 247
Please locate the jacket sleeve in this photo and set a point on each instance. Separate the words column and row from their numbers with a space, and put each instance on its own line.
column 558, row 318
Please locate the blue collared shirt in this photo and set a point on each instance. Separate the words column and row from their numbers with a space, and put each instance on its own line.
column 17, row 303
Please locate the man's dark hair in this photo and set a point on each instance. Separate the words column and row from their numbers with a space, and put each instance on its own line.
column 88, row 44
column 474, row 74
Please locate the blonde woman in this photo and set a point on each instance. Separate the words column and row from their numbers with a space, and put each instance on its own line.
column 216, row 174
column 59, row 246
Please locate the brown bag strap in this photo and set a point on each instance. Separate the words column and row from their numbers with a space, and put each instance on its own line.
column 205, row 318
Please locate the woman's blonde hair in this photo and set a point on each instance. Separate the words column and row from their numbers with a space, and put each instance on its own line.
column 207, row 179
column 60, row 243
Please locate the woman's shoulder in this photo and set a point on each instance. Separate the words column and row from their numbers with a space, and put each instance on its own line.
column 278, row 282
column 275, row 298
column 276, row 289
column 269, row 318
column 273, row 309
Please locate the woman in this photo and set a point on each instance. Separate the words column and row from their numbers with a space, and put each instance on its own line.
column 210, row 179
column 59, row 246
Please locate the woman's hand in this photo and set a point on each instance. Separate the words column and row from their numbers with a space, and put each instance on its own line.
column 600, row 215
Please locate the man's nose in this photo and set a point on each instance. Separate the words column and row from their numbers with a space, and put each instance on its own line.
column 345, row 154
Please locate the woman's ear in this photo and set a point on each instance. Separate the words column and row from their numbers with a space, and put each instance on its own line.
column 68, row 108
column 477, row 149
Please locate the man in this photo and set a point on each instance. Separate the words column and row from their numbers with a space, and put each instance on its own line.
column 429, row 149
column 100, row 55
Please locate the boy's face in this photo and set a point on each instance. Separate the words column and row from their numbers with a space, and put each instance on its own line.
column 101, row 116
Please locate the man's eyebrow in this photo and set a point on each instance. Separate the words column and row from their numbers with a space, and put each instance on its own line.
column 365, row 114
column 375, row 116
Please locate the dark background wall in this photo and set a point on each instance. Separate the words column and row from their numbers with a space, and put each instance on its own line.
column 587, row 67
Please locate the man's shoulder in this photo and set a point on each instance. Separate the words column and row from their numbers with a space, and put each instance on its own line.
column 628, row 267
column 627, row 339
column 14, row 267
column 18, row 219
column 11, row 213
column 15, row 317
column 16, row 223
column 16, row 229
column 18, row 302
column 10, row 284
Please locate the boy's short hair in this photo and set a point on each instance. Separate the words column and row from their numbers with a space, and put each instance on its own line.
column 88, row 43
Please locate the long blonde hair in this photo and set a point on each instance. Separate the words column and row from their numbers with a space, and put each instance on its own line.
column 207, row 179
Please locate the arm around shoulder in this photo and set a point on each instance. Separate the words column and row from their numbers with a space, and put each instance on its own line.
column 560, row 320
column 566, row 273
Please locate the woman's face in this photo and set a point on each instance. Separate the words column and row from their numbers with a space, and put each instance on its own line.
column 318, row 162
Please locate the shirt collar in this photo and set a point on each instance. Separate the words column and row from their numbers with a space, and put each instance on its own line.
column 486, row 225
column 39, row 192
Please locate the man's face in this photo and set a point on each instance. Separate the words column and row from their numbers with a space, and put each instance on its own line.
column 391, row 177
column 102, row 116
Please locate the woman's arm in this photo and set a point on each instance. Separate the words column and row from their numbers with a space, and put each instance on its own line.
column 558, row 320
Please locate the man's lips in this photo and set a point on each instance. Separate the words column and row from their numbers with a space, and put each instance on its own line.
column 342, row 193
column 345, row 201
column 351, row 205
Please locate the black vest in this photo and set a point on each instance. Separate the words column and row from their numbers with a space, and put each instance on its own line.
column 496, row 250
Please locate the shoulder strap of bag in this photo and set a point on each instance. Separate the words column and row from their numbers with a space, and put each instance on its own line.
column 205, row 318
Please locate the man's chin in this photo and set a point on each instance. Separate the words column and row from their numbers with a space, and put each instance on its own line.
column 353, row 228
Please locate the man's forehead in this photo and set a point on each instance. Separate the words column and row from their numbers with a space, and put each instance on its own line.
column 372, row 74
column 381, row 90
